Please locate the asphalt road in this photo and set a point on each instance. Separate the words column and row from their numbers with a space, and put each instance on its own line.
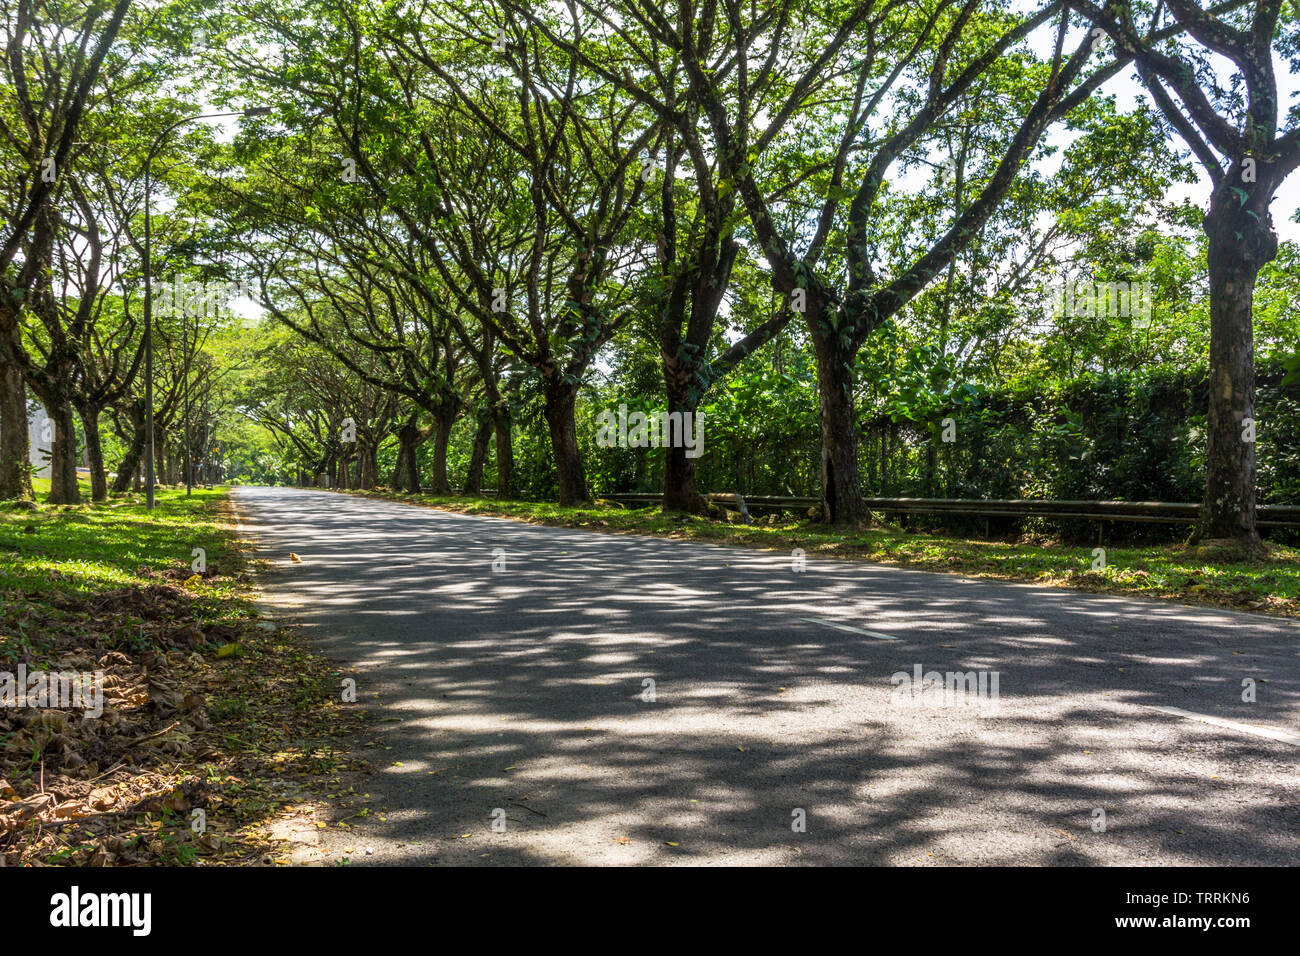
column 516, row 699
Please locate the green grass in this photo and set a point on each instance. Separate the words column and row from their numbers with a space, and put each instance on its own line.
column 42, row 488
column 77, row 582
column 88, row 548
column 1170, row 571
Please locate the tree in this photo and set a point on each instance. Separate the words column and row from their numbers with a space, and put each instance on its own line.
column 943, row 51
column 53, row 56
column 1247, row 150
column 517, row 183
column 693, row 219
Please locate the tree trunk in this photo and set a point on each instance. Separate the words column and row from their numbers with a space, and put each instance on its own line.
column 63, row 459
column 505, row 450
column 94, row 454
column 443, row 422
column 141, row 444
column 369, row 457
column 680, row 493
column 1228, row 509
column 474, row 478
column 842, row 501
column 1241, row 241
column 159, row 454
column 406, row 473
column 571, row 478
column 399, row 465
column 15, row 468
column 413, row 471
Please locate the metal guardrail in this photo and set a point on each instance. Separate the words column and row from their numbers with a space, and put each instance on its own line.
column 1163, row 512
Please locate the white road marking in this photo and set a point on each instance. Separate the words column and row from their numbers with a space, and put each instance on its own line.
column 844, row 627
column 1268, row 732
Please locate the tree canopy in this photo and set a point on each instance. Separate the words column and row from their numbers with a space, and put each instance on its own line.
column 944, row 248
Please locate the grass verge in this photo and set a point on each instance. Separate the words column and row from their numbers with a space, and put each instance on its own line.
column 215, row 724
column 1169, row 571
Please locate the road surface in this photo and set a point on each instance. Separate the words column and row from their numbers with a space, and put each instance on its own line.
column 562, row 696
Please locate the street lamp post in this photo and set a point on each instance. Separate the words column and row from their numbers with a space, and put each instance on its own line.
column 150, row 475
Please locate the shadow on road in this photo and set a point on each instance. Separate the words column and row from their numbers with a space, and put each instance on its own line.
column 523, row 689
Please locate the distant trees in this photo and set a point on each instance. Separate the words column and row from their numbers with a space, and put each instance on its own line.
column 329, row 420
